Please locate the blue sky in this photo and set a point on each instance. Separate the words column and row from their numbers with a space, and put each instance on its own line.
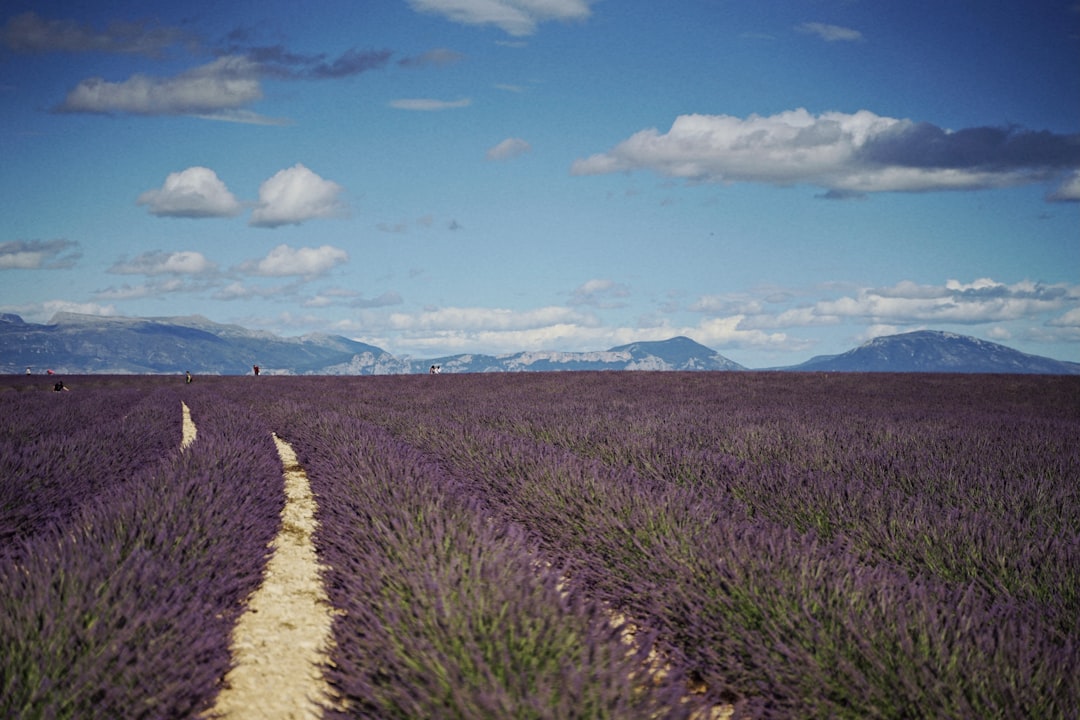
column 776, row 180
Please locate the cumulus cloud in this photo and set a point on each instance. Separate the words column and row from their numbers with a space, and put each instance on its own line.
column 351, row 298
column 185, row 262
column 220, row 90
column 472, row 319
column 228, row 83
column 551, row 328
column 31, row 33
column 306, row 262
column 906, row 303
column 295, row 195
column 196, row 192
column 43, row 312
column 601, row 293
column 38, row 254
column 508, row 148
column 474, row 329
column 829, row 33
column 515, row 17
column 241, row 291
column 847, row 154
column 1069, row 190
column 156, row 288
column 429, row 104
column 1070, row 319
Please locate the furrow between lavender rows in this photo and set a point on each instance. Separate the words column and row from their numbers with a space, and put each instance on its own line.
column 125, row 609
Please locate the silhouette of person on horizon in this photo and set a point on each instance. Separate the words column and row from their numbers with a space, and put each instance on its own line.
column 256, row 369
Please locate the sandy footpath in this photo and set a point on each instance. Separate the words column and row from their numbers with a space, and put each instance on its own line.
column 190, row 431
column 280, row 643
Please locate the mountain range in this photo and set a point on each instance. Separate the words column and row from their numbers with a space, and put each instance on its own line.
column 75, row 344
column 936, row 351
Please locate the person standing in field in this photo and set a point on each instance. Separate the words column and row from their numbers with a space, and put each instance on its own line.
column 256, row 369
column 188, row 378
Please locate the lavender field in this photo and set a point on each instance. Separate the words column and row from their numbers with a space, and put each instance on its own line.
column 785, row 545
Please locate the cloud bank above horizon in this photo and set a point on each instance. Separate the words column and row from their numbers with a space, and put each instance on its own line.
column 845, row 154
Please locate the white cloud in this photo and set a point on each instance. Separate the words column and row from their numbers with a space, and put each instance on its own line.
column 38, row 254
column 516, row 17
column 829, row 33
column 600, row 292
column 848, row 154
column 786, row 148
column 730, row 332
column 226, row 84
column 429, row 104
column 51, row 307
column 875, row 331
column 1070, row 319
column 185, row 262
column 241, row 291
column 294, row 195
column 473, row 319
column 156, row 288
column 979, row 302
column 767, row 323
column 243, row 117
column 196, row 192
column 306, row 262
column 508, row 148
column 1069, row 190
column 493, row 330
column 42, row 312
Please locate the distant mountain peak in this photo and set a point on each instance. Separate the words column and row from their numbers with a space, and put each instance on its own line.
column 936, row 351
column 677, row 353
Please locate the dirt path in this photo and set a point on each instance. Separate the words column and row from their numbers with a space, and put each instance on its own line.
column 190, row 431
column 280, row 643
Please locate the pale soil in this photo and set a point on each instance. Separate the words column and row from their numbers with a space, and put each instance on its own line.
column 656, row 667
column 190, row 431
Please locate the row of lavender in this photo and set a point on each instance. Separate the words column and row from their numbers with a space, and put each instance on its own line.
column 57, row 449
column 125, row 561
column 446, row 610
column 808, row 546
